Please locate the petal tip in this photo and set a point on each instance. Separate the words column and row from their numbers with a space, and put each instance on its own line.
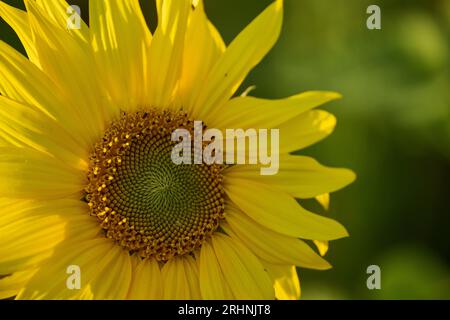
column 331, row 95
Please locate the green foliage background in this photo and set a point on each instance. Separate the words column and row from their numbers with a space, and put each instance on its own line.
column 393, row 130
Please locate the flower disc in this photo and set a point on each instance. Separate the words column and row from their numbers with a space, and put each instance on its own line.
column 144, row 201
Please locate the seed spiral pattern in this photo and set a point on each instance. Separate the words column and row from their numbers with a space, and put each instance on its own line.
column 144, row 201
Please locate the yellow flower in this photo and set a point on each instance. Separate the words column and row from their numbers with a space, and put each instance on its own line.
column 86, row 177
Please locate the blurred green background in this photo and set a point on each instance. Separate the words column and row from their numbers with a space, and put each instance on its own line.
column 393, row 131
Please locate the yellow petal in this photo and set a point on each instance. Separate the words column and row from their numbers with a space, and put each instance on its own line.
column 11, row 208
column 286, row 282
column 180, row 277
column 166, row 52
column 71, row 210
column 56, row 11
column 203, row 47
column 147, row 281
column 68, row 60
column 302, row 177
column 322, row 246
column 192, row 276
column 212, row 281
column 243, row 272
column 11, row 285
column 22, row 81
column 27, row 173
column 120, row 39
column 31, row 230
column 18, row 20
column 280, row 212
column 93, row 257
column 269, row 245
column 324, row 200
column 28, row 241
column 305, row 130
column 249, row 112
column 243, row 54
column 5, row 143
column 113, row 283
column 33, row 128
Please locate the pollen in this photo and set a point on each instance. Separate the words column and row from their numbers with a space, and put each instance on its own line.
column 142, row 200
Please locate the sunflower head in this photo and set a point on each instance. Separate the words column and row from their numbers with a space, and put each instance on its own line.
column 86, row 124
column 143, row 200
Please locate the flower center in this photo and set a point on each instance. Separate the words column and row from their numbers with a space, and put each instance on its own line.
column 144, row 201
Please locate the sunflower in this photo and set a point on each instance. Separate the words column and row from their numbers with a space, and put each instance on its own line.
column 87, row 180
